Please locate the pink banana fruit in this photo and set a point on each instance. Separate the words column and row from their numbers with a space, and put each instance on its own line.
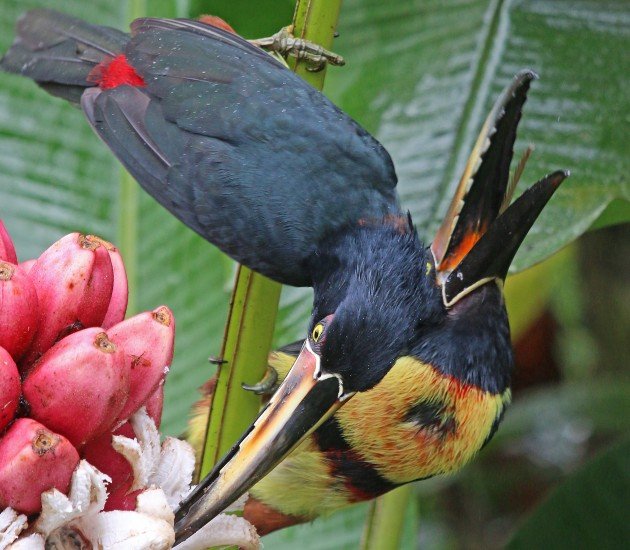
column 79, row 386
column 9, row 388
column 122, row 498
column 26, row 265
column 33, row 459
column 18, row 310
column 100, row 454
column 147, row 340
column 74, row 282
column 7, row 250
column 155, row 404
column 120, row 292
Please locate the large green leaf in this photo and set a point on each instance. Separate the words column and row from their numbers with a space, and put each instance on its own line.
column 422, row 75
column 343, row 530
column 589, row 510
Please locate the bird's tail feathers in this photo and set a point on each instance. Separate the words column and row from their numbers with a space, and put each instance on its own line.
column 60, row 52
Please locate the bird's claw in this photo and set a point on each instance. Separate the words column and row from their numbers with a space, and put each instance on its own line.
column 267, row 385
column 285, row 44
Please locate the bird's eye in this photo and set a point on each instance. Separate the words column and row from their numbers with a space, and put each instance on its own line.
column 317, row 332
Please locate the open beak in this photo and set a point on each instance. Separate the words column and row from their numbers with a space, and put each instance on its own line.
column 483, row 188
column 304, row 400
column 491, row 256
column 482, row 231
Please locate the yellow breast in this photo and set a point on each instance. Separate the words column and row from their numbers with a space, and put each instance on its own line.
column 418, row 422
column 415, row 423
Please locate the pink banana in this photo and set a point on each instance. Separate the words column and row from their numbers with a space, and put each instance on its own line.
column 26, row 265
column 155, row 403
column 33, row 459
column 74, row 281
column 9, row 388
column 120, row 292
column 147, row 339
column 100, row 454
column 7, row 250
column 18, row 310
column 79, row 386
column 121, row 498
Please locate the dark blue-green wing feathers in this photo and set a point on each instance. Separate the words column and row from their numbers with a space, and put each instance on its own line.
column 239, row 148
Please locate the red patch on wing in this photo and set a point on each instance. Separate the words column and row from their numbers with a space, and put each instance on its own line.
column 215, row 21
column 113, row 72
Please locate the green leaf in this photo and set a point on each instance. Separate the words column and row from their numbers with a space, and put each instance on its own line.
column 603, row 406
column 589, row 510
column 422, row 76
column 343, row 530
column 266, row 19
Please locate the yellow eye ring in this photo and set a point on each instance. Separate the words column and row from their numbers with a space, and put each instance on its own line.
column 317, row 332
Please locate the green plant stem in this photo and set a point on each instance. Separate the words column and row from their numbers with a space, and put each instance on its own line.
column 385, row 520
column 314, row 20
column 254, row 303
column 246, row 342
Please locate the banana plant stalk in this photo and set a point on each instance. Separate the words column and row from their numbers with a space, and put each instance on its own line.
column 385, row 520
column 254, row 303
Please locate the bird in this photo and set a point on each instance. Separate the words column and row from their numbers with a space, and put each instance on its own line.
column 404, row 371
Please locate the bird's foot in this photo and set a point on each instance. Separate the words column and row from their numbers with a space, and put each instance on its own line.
column 267, row 385
column 285, row 44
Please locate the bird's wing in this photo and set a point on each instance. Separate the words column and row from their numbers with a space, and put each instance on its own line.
column 239, row 148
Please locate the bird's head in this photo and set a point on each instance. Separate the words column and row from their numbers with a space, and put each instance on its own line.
column 374, row 286
column 376, row 289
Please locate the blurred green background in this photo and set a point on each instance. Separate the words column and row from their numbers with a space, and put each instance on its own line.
column 421, row 76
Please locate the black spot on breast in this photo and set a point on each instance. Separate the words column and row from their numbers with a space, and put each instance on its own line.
column 432, row 417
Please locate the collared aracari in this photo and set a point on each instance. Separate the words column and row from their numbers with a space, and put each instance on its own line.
column 405, row 370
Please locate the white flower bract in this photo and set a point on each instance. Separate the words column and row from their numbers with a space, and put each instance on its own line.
column 163, row 472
